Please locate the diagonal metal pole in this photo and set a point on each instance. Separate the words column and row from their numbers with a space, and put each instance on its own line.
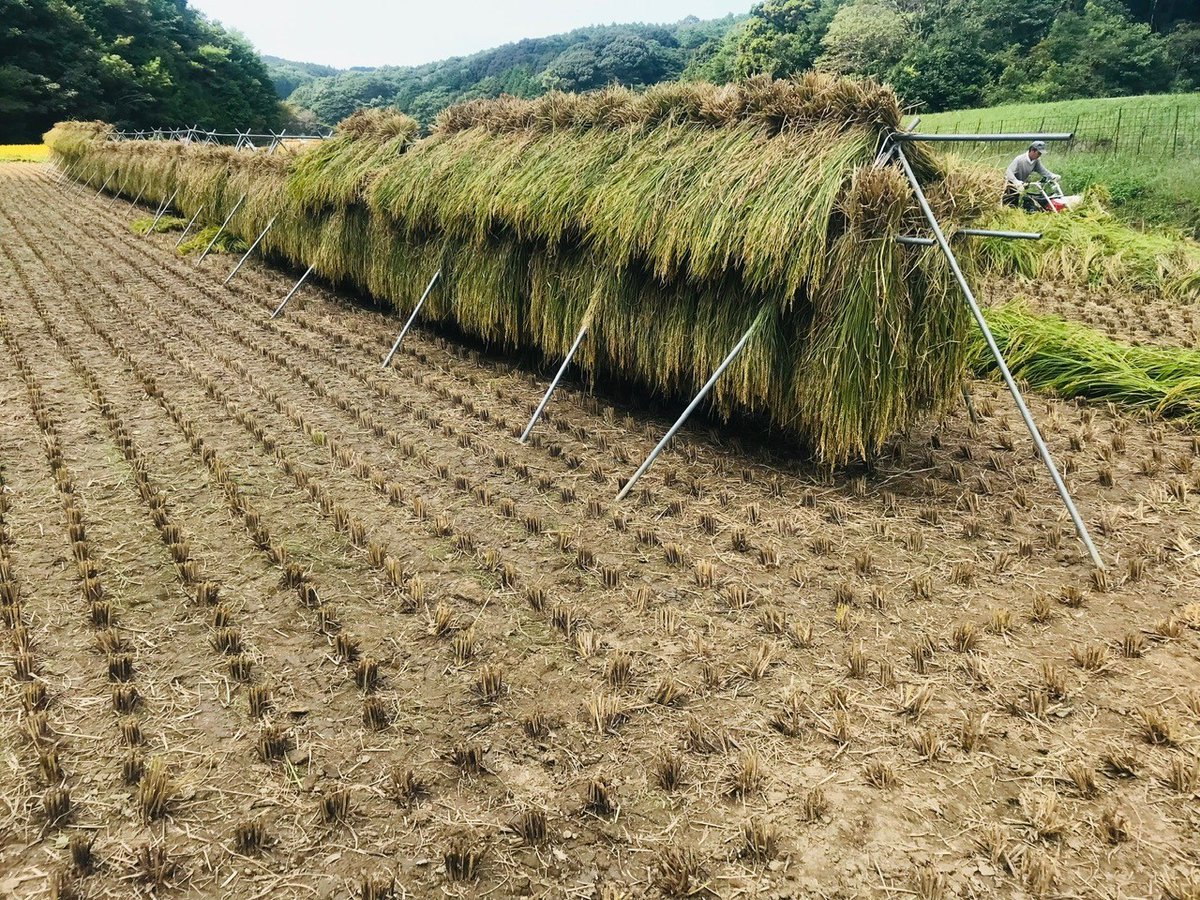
column 166, row 205
column 407, row 325
column 1043, row 450
column 220, row 230
column 138, row 197
column 537, row 413
column 119, row 191
column 690, row 409
column 190, row 223
column 257, row 241
column 292, row 292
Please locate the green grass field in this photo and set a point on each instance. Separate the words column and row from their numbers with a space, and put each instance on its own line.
column 1144, row 150
column 1161, row 126
column 24, row 153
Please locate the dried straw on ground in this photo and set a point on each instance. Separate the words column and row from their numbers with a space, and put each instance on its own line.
column 670, row 221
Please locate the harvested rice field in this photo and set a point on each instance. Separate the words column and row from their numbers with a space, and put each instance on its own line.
column 281, row 623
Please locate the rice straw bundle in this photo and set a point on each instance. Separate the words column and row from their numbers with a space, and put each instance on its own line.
column 669, row 220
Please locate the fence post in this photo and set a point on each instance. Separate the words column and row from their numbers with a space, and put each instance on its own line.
column 1116, row 143
column 1175, row 139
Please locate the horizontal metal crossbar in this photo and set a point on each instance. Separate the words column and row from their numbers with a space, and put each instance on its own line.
column 1034, row 136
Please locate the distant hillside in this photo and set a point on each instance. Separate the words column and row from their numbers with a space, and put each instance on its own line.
column 287, row 75
column 633, row 55
column 939, row 54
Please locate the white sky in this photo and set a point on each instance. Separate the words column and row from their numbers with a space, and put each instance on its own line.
column 348, row 33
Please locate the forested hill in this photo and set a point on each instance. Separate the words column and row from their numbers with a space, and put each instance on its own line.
column 138, row 63
column 634, row 55
column 287, row 75
column 149, row 63
column 940, row 54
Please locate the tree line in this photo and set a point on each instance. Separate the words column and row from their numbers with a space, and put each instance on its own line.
column 634, row 55
column 939, row 54
column 135, row 63
column 150, row 63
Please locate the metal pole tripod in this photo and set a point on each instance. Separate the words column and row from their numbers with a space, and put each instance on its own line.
column 1043, row 450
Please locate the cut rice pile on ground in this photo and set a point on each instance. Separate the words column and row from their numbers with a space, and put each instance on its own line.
column 159, row 225
column 1075, row 361
column 670, row 222
column 225, row 242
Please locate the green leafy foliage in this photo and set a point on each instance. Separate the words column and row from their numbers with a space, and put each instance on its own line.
column 866, row 37
column 1098, row 52
column 287, row 75
column 136, row 63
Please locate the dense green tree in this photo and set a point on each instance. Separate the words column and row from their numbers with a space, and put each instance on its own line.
column 49, row 63
column 573, row 70
column 866, row 37
column 782, row 37
column 1096, row 52
column 136, row 63
column 947, row 69
column 1183, row 50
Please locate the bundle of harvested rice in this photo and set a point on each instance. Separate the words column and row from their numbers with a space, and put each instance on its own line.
column 670, row 221
column 1076, row 361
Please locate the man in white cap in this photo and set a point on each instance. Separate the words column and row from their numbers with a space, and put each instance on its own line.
column 1019, row 172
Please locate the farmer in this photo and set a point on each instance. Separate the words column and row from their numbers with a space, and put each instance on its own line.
column 1018, row 174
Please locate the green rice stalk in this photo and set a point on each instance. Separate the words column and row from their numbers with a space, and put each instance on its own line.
column 1075, row 361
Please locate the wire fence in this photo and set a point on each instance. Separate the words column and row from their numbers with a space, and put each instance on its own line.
column 1167, row 132
column 237, row 139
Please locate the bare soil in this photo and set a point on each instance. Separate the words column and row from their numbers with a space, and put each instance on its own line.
column 367, row 626
column 1132, row 317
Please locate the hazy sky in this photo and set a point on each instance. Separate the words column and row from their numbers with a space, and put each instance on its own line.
column 378, row 32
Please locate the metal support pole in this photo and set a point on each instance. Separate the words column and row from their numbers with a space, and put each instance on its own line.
column 166, row 205
column 257, row 241
column 1043, row 450
column 1012, row 235
column 138, row 197
column 971, row 232
column 537, row 413
column 922, row 136
column 221, row 230
column 292, row 292
column 687, row 412
column 407, row 325
column 119, row 192
column 190, row 223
